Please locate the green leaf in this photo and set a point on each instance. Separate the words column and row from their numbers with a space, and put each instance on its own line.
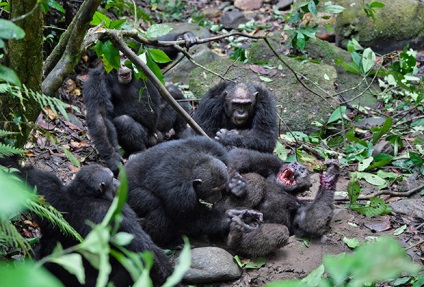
column 255, row 263
column 117, row 24
column 99, row 18
column 182, row 266
column 315, row 277
column 300, row 41
column 416, row 158
column 157, row 30
column 312, row 7
column 335, row 9
column 371, row 178
column 122, row 238
column 337, row 114
column 110, row 55
column 26, row 275
column 400, row 230
column 418, row 123
column 158, row 56
column 71, row 157
column 376, row 5
column 265, row 79
column 73, row 264
column 9, row 76
column 365, row 163
column 368, row 60
column 53, row 4
column 352, row 68
column 351, row 242
column 9, row 30
column 280, row 151
column 376, row 206
column 353, row 189
column 386, row 126
column 13, row 193
column 380, row 160
column 155, row 69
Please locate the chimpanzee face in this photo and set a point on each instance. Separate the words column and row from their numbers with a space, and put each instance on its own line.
column 240, row 102
column 124, row 73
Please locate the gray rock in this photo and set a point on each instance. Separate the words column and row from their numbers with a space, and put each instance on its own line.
column 284, row 4
column 211, row 264
column 410, row 207
column 248, row 4
column 370, row 122
column 397, row 24
column 201, row 54
column 231, row 18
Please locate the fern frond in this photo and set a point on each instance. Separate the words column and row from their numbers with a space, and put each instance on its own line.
column 7, row 150
column 6, row 133
column 11, row 236
column 48, row 212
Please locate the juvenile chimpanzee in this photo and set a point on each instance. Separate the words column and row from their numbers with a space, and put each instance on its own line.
column 171, row 124
column 125, row 111
column 269, row 186
column 239, row 115
column 87, row 199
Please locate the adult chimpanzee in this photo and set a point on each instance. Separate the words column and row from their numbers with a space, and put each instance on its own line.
column 269, row 186
column 174, row 195
column 87, row 199
column 125, row 111
column 239, row 115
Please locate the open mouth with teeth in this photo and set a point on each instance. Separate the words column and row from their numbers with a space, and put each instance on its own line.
column 286, row 176
column 125, row 77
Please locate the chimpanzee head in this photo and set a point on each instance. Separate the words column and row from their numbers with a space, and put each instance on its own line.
column 294, row 178
column 94, row 181
column 210, row 178
column 240, row 102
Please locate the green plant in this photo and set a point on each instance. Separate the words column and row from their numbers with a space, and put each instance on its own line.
column 373, row 262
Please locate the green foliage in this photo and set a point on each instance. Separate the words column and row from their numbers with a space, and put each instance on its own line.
column 255, row 263
column 47, row 4
column 27, row 274
column 369, row 8
column 298, row 31
column 370, row 263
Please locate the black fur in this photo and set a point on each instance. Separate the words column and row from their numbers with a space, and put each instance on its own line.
column 87, row 199
column 164, row 188
column 259, row 133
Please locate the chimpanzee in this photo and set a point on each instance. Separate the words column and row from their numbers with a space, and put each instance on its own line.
column 175, row 195
column 270, row 186
column 239, row 115
column 87, row 199
column 171, row 124
column 125, row 111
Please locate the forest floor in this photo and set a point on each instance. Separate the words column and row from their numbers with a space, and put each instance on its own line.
column 297, row 259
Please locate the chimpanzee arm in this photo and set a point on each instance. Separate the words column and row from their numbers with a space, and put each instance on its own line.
column 97, row 98
column 311, row 220
column 246, row 161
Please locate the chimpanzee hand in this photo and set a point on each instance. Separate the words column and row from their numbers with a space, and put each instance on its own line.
column 113, row 162
column 330, row 177
column 237, row 185
column 223, row 134
column 248, row 218
column 189, row 38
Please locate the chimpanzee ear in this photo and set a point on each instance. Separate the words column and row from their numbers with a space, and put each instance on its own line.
column 197, row 182
column 256, row 94
column 102, row 188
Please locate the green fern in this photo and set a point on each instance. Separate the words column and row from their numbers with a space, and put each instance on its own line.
column 10, row 236
column 43, row 100
column 7, row 150
column 45, row 210
column 6, row 133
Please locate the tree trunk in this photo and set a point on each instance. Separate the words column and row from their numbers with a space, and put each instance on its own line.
column 25, row 57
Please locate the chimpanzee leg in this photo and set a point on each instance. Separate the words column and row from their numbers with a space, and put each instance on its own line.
column 132, row 136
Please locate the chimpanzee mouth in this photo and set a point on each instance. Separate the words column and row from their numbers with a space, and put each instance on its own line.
column 286, row 176
column 125, row 77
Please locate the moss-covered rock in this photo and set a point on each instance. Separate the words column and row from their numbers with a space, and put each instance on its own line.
column 327, row 53
column 397, row 24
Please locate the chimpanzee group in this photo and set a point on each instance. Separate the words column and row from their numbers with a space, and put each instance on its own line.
column 228, row 186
